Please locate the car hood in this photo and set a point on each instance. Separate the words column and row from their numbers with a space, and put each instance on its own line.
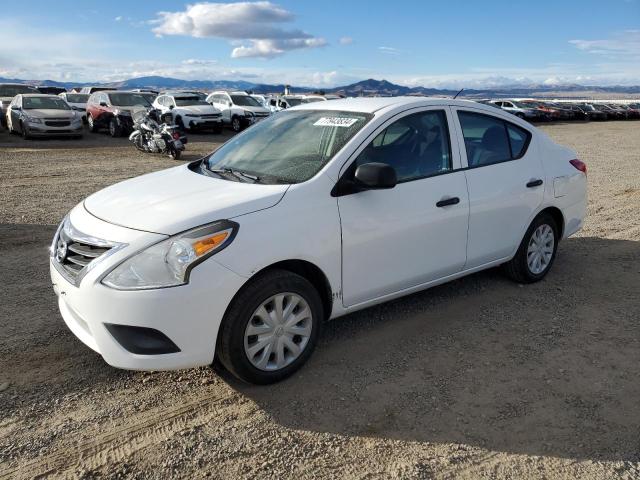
column 200, row 109
column 48, row 113
column 174, row 200
column 255, row 109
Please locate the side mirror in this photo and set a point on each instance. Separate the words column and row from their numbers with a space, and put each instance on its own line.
column 171, row 107
column 17, row 109
column 103, row 104
column 376, row 176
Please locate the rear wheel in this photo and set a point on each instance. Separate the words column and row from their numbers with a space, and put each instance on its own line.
column 537, row 251
column 175, row 154
column 270, row 328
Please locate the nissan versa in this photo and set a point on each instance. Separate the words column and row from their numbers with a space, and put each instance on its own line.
column 319, row 211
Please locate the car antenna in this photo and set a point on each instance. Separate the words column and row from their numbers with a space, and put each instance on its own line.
column 456, row 95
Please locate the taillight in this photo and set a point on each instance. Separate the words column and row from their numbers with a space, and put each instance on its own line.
column 176, row 136
column 579, row 164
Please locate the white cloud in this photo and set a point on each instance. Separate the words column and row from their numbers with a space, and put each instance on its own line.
column 254, row 24
column 118, row 18
column 197, row 61
column 626, row 43
column 345, row 40
column 389, row 50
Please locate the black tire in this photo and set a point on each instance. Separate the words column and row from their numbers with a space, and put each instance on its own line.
column 518, row 268
column 236, row 124
column 92, row 124
column 24, row 131
column 230, row 352
column 175, row 154
column 180, row 123
column 114, row 129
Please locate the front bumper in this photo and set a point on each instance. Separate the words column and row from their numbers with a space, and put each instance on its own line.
column 40, row 129
column 188, row 315
column 202, row 123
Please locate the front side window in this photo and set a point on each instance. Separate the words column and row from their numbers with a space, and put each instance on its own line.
column 77, row 98
column 31, row 103
column 290, row 147
column 490, row 140
column 416, row 146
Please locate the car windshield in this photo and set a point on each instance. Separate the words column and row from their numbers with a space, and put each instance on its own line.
column 52, row 103
column 128, row 99
column 77, row 97
column 191, row 100
column 13, row 90
column 290, row 147
column 245, row 101
column 294, row 102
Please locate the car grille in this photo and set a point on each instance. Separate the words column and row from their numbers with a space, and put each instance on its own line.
column 211, row 115
column 73, row 253
column 261, row 114
column 57, row 123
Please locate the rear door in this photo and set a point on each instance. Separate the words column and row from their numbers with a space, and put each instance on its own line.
column 416, row 232
column 505, row 179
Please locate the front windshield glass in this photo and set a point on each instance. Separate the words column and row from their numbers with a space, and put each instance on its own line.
column 13, row 90
column 245, row 101
column 128, row 99
column 77, row 97
column 53, row 103
column 294, row 102
column 192, row 100
column 290, row 147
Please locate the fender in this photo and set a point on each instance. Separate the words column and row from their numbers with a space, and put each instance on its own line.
column 134, row 134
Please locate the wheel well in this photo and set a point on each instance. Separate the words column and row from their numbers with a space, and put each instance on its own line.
column 557, row 216
column 313, row 274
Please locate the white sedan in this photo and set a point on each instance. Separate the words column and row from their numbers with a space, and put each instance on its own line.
column 322, row 210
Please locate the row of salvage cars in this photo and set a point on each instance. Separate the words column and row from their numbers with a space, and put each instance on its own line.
column 547, row 111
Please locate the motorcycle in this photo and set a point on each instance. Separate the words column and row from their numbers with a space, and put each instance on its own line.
column 155, row 133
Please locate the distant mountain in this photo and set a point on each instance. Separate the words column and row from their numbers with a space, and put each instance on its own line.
column 369, row 87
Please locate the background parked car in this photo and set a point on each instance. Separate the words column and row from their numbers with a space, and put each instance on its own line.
column 7, row 92
column 77, row 102
column 189, row 111
column 611, row 113
column 521, row 110
column 112, row 110
column 550, row 113
column 96, row 89
column 594, row 113
column 239, row 109
column 35, row 114
column 632, row 111
column 621, row 112
column 50, row 90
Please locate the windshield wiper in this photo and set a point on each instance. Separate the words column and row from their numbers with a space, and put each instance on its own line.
column 235, row 173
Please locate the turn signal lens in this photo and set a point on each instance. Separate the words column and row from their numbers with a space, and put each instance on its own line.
column 579, row 164
column 205, row 245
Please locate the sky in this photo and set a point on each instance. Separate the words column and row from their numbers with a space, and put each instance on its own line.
column 452, row 44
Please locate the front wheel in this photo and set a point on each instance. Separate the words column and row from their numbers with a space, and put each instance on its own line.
column 92, row 124
column 236, row 125
column 25, row 131
column 271, row 328
column 537, row 251
column 175, row 154
column 114, row 128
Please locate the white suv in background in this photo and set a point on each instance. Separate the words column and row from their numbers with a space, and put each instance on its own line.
column 189, row 111
column 239, row 109
column 77, row 102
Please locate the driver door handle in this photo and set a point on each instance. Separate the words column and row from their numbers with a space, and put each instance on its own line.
column 534, row 183
column 448, row 201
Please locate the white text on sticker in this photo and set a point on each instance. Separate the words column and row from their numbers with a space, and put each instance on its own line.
column 335, row 122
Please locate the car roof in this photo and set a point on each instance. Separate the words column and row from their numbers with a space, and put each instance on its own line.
column 30, row 95
column 374, row 104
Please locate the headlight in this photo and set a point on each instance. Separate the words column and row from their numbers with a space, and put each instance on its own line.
column 123, row 113
column 33, row 119
column 168, row 263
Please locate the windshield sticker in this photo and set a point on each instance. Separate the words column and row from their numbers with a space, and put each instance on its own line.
column 335, row 122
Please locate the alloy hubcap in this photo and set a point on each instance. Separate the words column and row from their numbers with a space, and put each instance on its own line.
column 278, row 331
column 540, row 249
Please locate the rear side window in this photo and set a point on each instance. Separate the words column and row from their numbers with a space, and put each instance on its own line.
column 490, row 140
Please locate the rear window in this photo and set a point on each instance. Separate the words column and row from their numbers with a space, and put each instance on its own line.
column 490, row 140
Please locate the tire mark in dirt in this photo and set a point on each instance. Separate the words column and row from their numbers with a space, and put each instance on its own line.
column 140, row 432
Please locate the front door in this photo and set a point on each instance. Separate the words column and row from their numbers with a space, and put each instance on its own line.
column 416, row 232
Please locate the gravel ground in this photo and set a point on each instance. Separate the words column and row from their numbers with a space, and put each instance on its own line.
column 479, row 378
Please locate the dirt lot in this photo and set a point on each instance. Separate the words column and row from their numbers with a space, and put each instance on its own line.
column 479, row 378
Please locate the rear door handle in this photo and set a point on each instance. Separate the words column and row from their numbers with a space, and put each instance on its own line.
column 448, row 201
column 534, row 183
